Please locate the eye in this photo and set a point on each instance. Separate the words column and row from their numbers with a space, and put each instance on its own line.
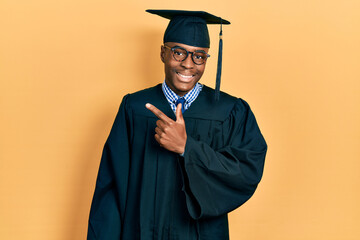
column 178, row 52
column 200, row 56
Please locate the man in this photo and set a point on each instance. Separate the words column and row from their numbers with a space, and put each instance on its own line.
column 175, row 168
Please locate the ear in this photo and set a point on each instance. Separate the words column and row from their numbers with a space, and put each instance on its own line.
column 162, row 53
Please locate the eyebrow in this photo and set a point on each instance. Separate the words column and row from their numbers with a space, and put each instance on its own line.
column 202, row 51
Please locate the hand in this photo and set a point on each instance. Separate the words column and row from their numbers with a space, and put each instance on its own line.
column 170, row 134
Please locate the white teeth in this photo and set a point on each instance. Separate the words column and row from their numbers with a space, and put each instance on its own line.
column 184, row 76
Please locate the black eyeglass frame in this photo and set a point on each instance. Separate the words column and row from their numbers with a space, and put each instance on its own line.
column 187, row 54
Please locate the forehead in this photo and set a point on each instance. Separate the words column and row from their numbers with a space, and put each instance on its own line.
column 187, row 47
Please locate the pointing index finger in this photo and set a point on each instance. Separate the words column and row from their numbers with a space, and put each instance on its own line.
column 158, row 113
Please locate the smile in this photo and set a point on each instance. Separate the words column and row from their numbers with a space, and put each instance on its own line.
column 185, row 76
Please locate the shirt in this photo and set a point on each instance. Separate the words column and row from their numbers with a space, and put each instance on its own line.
column 189, row 97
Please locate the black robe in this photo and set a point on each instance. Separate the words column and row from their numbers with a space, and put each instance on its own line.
column 146, row 192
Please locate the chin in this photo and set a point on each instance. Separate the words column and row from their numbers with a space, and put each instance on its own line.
column 181, row 86
column 184, row 87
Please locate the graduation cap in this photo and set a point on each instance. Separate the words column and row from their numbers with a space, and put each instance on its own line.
column 190, row 28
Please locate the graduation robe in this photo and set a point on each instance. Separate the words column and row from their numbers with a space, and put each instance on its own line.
column 144, row 191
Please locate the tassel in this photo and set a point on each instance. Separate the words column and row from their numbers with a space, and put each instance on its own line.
column 218, row 73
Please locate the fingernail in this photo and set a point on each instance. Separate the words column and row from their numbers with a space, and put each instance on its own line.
column 147, row 105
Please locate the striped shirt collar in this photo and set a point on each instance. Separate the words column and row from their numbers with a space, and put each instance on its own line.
column 189, row 97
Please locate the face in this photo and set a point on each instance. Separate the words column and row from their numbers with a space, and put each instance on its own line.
column 181, row 77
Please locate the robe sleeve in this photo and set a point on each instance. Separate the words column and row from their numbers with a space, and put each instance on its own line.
column 218, row 181
column 109, row 198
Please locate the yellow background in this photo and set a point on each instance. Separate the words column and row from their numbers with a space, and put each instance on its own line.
column 65, row 66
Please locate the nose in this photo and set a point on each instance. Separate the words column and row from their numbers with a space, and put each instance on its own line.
column 188, row 62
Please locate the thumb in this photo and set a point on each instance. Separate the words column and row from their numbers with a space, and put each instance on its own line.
column 179, row 116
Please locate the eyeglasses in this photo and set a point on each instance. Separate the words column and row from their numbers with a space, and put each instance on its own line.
column 180, row 54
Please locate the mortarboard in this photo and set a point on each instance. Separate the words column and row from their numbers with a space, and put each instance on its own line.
column 190, row 28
